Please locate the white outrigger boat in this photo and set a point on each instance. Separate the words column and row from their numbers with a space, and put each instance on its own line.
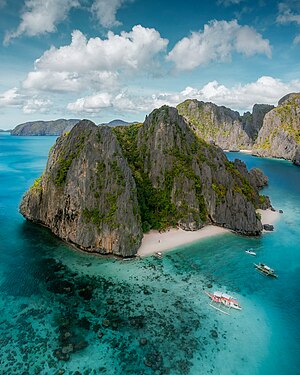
column 223, row 300
column 250, row 252
column 265, row 270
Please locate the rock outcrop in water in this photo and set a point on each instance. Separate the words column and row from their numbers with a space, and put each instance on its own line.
column 87, row 195
column 103, row 187
column 223, row 126
column 56, row 127
column 279, row 136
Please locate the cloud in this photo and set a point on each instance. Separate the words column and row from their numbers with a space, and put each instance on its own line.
column 289, row 12
column 96, row 63
column 132, row 50
column 227, row 3
column 40, row 17
column 11, row 98
column 106, row 10
column 297, row 39
column 36, row 104
column 70, row 82
column 2, row 3
column 91, row 104
column 266, row 90
column 216, row 43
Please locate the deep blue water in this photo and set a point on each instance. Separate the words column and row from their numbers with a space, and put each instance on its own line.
column 54, row 301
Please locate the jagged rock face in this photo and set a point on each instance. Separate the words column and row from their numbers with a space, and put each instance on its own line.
column 253, row 122
column 56, row 127
column 216, row 124
column 257, row 178
column 280, row 135
column 87, row 195
column 102, row 187
column 197, row 182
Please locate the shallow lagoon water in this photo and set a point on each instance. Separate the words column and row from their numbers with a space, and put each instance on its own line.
column 54, row 300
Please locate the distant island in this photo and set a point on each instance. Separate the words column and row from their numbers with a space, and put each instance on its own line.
column 267, row 131
column 55, row 127
column 104, row 187
column 117, row 122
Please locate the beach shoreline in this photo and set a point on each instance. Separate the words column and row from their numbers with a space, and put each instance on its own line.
column 268, row 216
column 155, row 241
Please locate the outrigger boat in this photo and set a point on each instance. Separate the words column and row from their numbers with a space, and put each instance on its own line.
column 251, row 252
column 265, row 270
column 224, row 300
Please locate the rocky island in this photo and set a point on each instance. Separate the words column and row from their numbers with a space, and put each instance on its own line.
column 104, row 187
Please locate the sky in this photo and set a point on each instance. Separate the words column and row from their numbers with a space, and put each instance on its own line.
column 108, row 59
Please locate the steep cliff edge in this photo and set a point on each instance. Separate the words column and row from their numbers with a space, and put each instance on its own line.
column 214, row 123
column 87, row 195
column 103, row 187
column 279, row 136
column 252, row 122
column 184, row 181
column 223, row 126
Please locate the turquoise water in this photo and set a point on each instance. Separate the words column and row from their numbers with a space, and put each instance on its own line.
column 55, row 301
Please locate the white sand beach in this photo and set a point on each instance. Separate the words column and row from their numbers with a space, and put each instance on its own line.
column 154, row 241
column 268, row 216
column 246, row 151
column 158, row 242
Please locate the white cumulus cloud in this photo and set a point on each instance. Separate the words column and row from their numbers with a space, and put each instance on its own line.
column 37, row 105
column 11, row 98
column 41, row 16
column 130, row 50
column 96, row 63
column 216, row 42
column 106, row 10
column 266, row 90
column 91, row 104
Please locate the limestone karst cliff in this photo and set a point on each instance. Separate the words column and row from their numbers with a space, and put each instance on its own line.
column 223, row 126
column 87, row 195
column 280, row 134
column 103, row 187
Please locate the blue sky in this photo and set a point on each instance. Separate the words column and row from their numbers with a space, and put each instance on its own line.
column 105, row 59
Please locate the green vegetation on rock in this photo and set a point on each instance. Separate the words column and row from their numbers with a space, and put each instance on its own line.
column 64, row 162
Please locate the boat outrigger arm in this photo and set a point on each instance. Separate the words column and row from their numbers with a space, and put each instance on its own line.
column 217, row 308
column 223, row 299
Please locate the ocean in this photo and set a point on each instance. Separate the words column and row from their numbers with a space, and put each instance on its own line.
column 66, row 312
